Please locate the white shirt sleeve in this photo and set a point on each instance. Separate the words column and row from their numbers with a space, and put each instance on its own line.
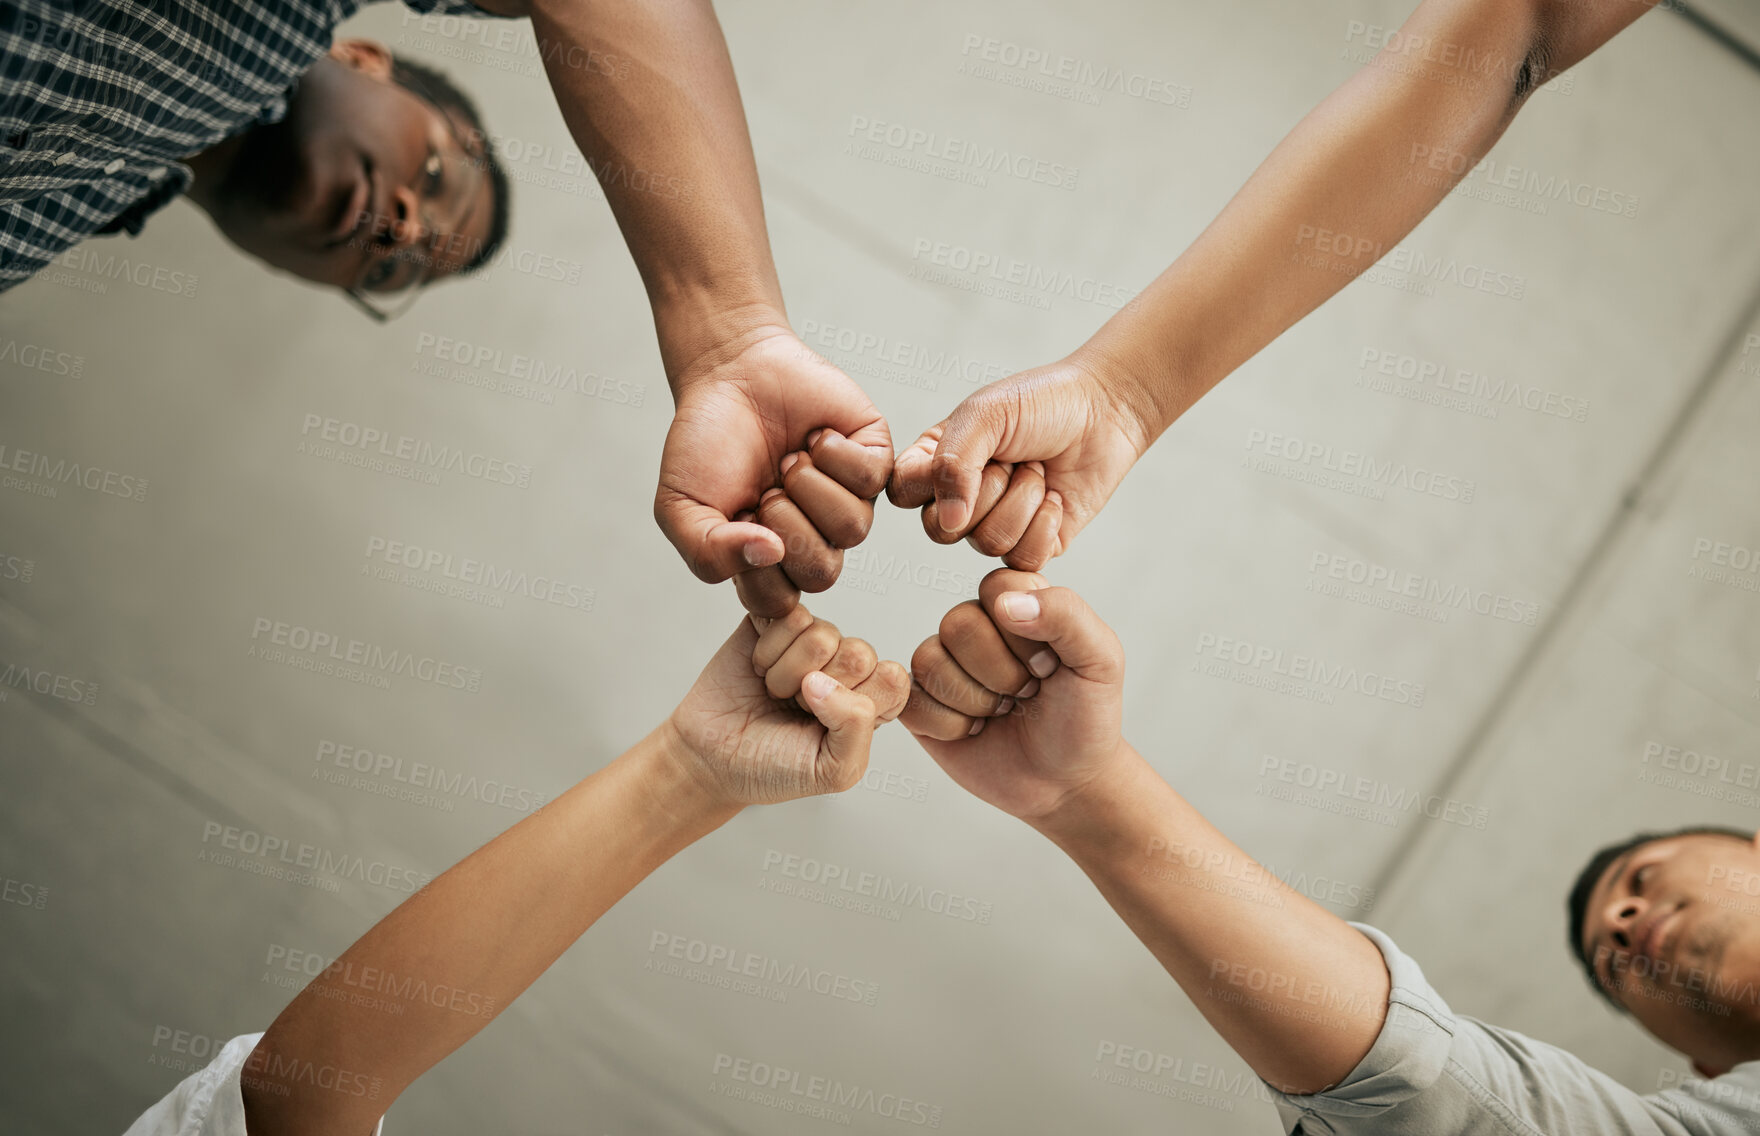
column 208, row 1102
column 1436, row 1073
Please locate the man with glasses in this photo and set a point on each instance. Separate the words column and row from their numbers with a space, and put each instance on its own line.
column 338, row 163
column 367, row 183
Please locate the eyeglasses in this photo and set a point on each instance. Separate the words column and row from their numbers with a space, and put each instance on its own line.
column 448, row 184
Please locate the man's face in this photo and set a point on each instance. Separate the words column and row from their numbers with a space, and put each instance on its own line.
column 1672, row 929
column 363, row 185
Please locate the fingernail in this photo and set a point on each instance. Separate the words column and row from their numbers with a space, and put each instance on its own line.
column 814, row 436
column 1021, row 607
column 791, row 461
column 818, row 685
column 760, row 554
column 1042, row 664
column 976, row 726
column 953, row 514
column 773, row 491
column 1028, row 690
column 1007, row 705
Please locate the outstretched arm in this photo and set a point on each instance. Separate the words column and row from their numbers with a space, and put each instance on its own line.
column 1336, row 195
column 648, row 92
column 1297, row 992
column 449, row 959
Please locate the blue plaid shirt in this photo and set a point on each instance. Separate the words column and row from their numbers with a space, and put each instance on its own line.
column 100, row 99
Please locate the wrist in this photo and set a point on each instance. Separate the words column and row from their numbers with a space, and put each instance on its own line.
column 1088, row 814
column 1140, row 393
column 678, row 786
column 699, row 333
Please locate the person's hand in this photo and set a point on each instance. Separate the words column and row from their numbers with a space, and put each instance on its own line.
column 741, row 730
column 769, row 413
column 1018, row 697
column 1023, row 464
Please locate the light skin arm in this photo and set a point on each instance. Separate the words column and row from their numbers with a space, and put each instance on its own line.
column 648, row 92
column 472, row 940
column 1365, row 166
column 1296, row 991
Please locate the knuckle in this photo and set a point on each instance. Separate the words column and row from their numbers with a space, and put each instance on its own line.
column 926, row 657
column 822, row 639
column 861, row 656
column 987, row 540
column 962, row 620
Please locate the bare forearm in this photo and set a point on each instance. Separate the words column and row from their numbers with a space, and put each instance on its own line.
column 1295, row 991
column 1344, row 188
column 648, row 92
column 440, row 967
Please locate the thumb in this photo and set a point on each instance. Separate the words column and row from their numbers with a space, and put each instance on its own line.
column 910, row 487
column 713, row 546
column 1064, row 622
column 849, row 720
column 969, row 440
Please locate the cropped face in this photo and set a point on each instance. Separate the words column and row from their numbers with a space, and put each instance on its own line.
column 1672, row 929
column 364, row 185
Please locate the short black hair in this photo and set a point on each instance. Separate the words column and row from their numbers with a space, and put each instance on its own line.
column 1577, row 903
column 431, row 84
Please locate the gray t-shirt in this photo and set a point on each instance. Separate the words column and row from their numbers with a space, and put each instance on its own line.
column 1432, row 1072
